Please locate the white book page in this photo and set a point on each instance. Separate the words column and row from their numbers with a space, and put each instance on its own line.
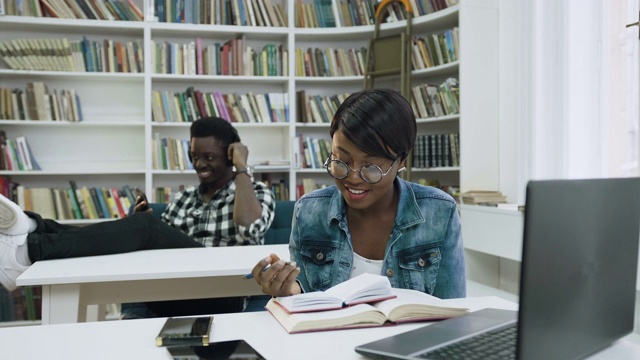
column 310, row 301
column 432, row 305
column 361, row 287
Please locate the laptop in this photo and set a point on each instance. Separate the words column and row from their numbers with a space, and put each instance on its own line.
column 577, row 281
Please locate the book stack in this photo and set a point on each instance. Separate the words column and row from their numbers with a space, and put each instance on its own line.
column 482, row 196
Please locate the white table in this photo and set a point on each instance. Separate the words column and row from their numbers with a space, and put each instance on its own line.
column 134, row 339
column 69, row 285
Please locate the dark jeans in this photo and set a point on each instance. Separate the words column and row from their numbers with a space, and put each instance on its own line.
column 139, row 231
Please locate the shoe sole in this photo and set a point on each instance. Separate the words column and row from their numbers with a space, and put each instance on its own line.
column 8, row 216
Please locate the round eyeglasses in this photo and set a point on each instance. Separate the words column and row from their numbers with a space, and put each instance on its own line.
column 370, row 173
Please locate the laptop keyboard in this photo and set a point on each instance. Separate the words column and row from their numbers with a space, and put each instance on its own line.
column 499, row 344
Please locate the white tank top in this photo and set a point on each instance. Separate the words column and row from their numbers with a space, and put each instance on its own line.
column 363, row 265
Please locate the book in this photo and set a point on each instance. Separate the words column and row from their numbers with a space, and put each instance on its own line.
column 360, row 289
column 482, row 196
column 406, row 306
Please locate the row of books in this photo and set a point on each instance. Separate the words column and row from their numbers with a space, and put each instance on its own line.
column 428, row 100
column 309, row 152
column 233, row 57
column 170, row 154
column 436, row 150
column 76, row 203
column 75, row 9
column 344, row 13
column 229, row 58
column 279, row 188
column 16, row 154
column 21, row 304
column 419, row 7
column 317, row 108
column 62, row 54
column 221, row 12
column 36, row 102
column 331, row 62
column 306, row 186
column 194, row 104
column 320, row 13
column 435, row 49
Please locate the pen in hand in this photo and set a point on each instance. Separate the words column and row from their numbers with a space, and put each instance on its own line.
column 250, row 276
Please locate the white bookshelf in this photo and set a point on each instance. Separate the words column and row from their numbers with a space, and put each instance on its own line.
column 112, row 145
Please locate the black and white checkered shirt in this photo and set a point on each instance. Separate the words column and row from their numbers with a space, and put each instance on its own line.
column 212, row 223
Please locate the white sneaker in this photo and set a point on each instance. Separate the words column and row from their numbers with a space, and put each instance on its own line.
column 13, row 221
column 10, row 269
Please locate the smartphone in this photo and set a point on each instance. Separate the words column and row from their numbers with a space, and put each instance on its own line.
column 234, row 349
column 144, row 198
column 185, row 331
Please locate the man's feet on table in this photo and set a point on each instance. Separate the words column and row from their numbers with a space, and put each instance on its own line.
column 13, row 221
column 10, row 268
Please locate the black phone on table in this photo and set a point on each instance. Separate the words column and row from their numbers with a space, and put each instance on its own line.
column 223, row 350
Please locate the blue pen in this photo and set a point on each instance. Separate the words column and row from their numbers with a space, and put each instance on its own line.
column 250, row 276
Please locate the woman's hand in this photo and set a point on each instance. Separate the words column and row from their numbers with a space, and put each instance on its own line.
column 279, row 279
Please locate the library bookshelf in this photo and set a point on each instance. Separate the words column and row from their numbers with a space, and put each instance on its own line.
column 113, row 144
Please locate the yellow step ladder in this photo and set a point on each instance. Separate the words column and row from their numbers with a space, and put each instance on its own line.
column 391, row 55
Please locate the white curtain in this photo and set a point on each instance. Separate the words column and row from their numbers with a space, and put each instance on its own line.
column 579, row 115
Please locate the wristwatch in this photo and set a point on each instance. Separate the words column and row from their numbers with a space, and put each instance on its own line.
column 246, row 170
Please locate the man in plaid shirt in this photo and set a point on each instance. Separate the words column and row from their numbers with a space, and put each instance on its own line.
column 228, row 208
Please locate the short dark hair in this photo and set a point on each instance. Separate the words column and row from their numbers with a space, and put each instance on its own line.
column 380, row 122
column 217, row 127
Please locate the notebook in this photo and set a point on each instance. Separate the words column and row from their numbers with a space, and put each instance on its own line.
column 577, row 281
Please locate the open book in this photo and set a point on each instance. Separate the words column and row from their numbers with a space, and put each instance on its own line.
column 363, row 288
column 407, row 306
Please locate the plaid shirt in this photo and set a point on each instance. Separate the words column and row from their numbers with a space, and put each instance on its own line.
column 211, row 223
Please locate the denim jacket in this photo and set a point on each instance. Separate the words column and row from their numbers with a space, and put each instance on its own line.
column 424, row 251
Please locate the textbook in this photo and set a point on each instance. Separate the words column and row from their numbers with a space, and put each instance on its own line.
column 406, row 306
column 364, row 288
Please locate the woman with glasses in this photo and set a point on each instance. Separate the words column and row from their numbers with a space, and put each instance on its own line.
column 371, row 221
